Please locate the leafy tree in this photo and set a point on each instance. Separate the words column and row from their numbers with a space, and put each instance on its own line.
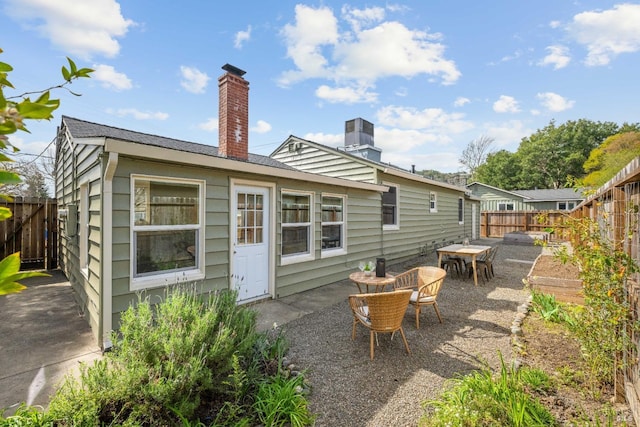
column 14, row 111
column 607, row 159
column 33, row 180
column 501, row 169
column 555, row 153
column 476, row 153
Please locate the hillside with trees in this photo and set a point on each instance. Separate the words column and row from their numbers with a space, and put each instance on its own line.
column 558, row 156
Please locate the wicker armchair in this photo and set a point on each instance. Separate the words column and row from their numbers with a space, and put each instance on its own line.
column 425, row 283
column 380, row 312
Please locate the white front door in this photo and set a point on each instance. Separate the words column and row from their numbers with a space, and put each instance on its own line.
column 250, row 263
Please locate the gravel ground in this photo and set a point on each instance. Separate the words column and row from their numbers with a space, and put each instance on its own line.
column 348, row 389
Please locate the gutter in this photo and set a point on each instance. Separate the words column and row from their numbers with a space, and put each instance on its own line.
column 106, row 280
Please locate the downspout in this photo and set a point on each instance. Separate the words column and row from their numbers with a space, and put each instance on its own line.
column 107, row 250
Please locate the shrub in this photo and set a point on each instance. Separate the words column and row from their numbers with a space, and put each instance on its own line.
column 172, row 355
column 479, row 399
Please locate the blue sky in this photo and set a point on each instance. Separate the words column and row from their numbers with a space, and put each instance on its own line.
column 431, row 75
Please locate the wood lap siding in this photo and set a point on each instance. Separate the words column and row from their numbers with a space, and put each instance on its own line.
column 74, row 168
column 313, row 160
column 363, row 240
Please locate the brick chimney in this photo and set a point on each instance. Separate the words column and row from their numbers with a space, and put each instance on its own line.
column 233, row 114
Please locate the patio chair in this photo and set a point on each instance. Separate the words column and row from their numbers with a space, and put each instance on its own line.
column 484, row 264
column 425, row 282
column 380, row 312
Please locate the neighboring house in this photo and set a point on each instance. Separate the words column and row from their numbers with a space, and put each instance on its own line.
column 416, row 211
column 139, row 213
column 496, row 199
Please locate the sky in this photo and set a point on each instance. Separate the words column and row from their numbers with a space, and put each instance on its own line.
column 432, row 76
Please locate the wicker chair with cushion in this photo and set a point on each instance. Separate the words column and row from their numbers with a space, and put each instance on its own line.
column 380, row 312
column 425, row 282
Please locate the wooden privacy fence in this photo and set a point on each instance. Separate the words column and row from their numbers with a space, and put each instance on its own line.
column 616, row 208
column 498, row 223
column 32, row 230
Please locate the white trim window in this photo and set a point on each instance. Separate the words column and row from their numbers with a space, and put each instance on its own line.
column 566, row 206
column 506, row 206
column 460, row 210
column 333, row 214
column 167, row 231
column 433, row 202
column 390, row 208
column 297, row 213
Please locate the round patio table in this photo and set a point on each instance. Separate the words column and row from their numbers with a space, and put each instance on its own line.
column 364, row 281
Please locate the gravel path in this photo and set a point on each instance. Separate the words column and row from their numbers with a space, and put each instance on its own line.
column 348, row 389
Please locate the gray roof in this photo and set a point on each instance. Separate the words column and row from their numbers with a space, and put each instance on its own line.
column 83, row 129
column 550, row 194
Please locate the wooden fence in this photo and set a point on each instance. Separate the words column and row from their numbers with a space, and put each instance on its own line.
column 498, row 223
column 33, row 231
column 616, row 208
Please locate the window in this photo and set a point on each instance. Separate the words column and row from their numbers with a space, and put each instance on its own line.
column 296, row 224
column 433, row 201
column 460, row 210
column 566, row 206
column 505, row 206
column 167, row 231
column 332, row 223
column 390, row 207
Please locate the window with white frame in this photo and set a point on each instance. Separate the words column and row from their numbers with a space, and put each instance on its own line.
column 505, row 206
column 390, row 207
column 566, row 206
column 167, row 229
column 332, row 222
column 296, row 224
column 460, row 210
column 433, row 201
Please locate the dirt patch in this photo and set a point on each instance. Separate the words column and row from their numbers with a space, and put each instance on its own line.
column 551, row 348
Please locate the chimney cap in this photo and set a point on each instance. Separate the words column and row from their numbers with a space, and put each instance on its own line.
column 233, row 70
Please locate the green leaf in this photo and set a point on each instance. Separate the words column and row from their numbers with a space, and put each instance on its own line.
column 11, row 288
column 33, row 110
column 4, row 67
column 5, row 213
column 7, row 177
column 72, row 66
column 65, row 74
column 10, row 273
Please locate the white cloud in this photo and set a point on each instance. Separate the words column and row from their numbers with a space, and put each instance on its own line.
column 241, row 37
column 461, row 101
column 110, row 78
column 80, row 28
column 554, row 102
column 210, row 125
column 429, row 119
column 345, row 95
column 358, row 18
column 332, row 140
column 608, row 33
column 138, row 115
column 507, row 135
column 506, row 104
column 371, row 50
column 193, row 80
column 558, row 57
column 261, row 127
